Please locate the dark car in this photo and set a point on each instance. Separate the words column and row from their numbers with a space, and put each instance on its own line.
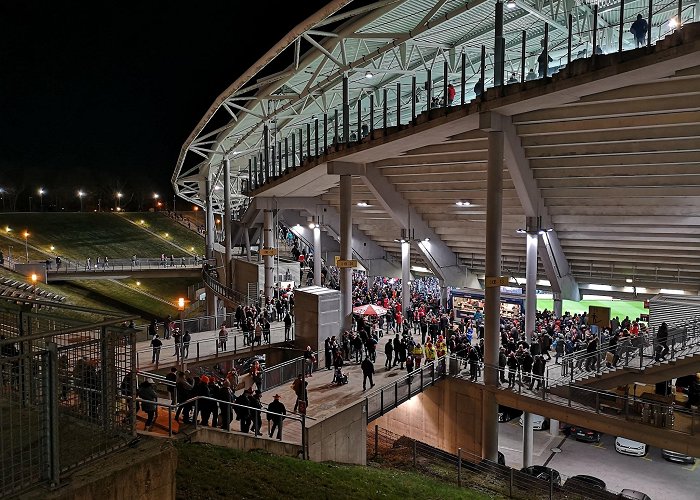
column 582, row 434
column 679, row 458
column 506, row 413
column 583, row 481
column 244, row 365
column 545, row 473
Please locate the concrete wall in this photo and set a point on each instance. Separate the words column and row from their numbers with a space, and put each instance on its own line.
column 245, row 442
column 144, row 472
column 447, row 416
column 244, row 272
column 316, row 317
column 341, row 437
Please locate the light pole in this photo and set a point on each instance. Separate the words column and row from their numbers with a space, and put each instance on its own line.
column 41, row 199
column 119, row 202
column 180, row 352
column 155, row 202
column 2, row 196
column 80, row 195
column 30, row 203
column 26, row 245
column 174, row 196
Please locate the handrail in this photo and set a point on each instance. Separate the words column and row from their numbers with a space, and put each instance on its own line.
column 222, row 290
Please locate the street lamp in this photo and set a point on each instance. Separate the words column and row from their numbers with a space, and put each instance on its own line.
column 155, row 201
column 80, row 195
column 119, row 201
column 180, row 352
column 42, row 192
column 26, row 246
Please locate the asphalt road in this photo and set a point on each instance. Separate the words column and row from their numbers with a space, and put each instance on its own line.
column 651, row 474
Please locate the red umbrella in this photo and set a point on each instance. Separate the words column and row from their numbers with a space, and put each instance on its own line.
column 369, row 310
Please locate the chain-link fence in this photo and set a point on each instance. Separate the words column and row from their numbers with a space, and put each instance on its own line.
column 62, row 401
column 465, row 469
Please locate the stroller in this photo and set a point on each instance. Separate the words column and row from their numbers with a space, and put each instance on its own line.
column 339, row 377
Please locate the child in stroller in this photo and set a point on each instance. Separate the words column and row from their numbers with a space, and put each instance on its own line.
column 339, row 377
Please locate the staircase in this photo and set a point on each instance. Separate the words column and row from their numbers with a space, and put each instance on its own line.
column 637, row 361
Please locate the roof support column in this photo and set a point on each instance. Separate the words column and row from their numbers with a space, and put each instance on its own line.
column 209, row 226
column 246, row 236
column 345, row 251
column 317, row 255
column 492, row 308
column 532, row 237
column 405, row 276
column 268, row 243
column 227, row 220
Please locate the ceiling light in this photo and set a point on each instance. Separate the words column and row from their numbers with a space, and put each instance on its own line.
column 426, row 240
column 362, row 204
column 629, row 280
column 511, row 4
column 312, row 225
column 463, row 203
column 673, row 23
column 520, row 231
column 369, row 74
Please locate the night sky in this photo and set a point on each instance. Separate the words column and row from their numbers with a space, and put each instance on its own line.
column 101, row 97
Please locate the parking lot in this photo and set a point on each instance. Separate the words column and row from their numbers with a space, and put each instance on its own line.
column 651, row 474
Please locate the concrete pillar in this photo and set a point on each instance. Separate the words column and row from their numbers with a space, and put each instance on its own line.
column 345, row 252
column 553, row 427
column 268, row 242
column 558, row 307
column 530, row 315
column 246, row 236
column 317, row 256
column 405, row 275
column 227, row 221
column 492, row 312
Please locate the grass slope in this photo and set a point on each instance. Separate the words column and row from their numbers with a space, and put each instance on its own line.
column 209, row 472
column 76, row 236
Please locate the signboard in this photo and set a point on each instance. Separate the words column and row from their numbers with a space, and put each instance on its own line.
column 341, row 264
column 599, row 316
column 266, row 252
column 335, row 262
column 491, row 281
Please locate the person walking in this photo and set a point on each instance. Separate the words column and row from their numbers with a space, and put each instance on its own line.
column 276, row 407
column 186, row 339
column 661, row 350
column 147, row 393
column 388, row 350
column 223, row 337
column 367, row 372
column 639, row 30
column 172, row 377
column 256, row 415
column 156, row 344
column 177, row 338
column 185, row 385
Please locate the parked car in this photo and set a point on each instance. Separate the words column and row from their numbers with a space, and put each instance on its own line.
column 628, row 494
column 544, row 473
column 630, row 447
column 506, row 413
column 582, row 434
column 584, row 481
column 243, row 365
column 679, row 458
column 538, row 422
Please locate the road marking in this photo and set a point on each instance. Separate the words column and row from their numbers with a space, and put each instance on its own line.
column 599, row 445
column 692, row 467
column 646, row 458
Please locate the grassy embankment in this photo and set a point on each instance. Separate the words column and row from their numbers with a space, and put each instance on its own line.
column 210, row 472
column 76, row 236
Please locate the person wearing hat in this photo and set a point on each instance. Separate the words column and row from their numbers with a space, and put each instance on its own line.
column 148, row 396
column 204, row 405
column 278, row 408
column 242, row 409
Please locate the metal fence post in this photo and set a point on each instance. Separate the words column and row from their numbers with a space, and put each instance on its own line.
column 381, row 401
column 52, row 450
column 396, row 394
column 376, row 440
column 459, row 467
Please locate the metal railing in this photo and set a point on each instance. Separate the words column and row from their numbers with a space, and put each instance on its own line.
column 140, row 264
column 222, row 290
column 195, row 350
column 623, row 407
column 404, row 388
column 633, row 352
column 468, row 469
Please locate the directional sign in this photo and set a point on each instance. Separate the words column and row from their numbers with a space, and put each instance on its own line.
column 491, row 281
column 268, row 252
column 599, row 316
column 346, row 263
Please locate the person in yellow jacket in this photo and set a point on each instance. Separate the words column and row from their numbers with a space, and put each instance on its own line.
column 440, row 346
column 417, row 353
column 430, row 353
